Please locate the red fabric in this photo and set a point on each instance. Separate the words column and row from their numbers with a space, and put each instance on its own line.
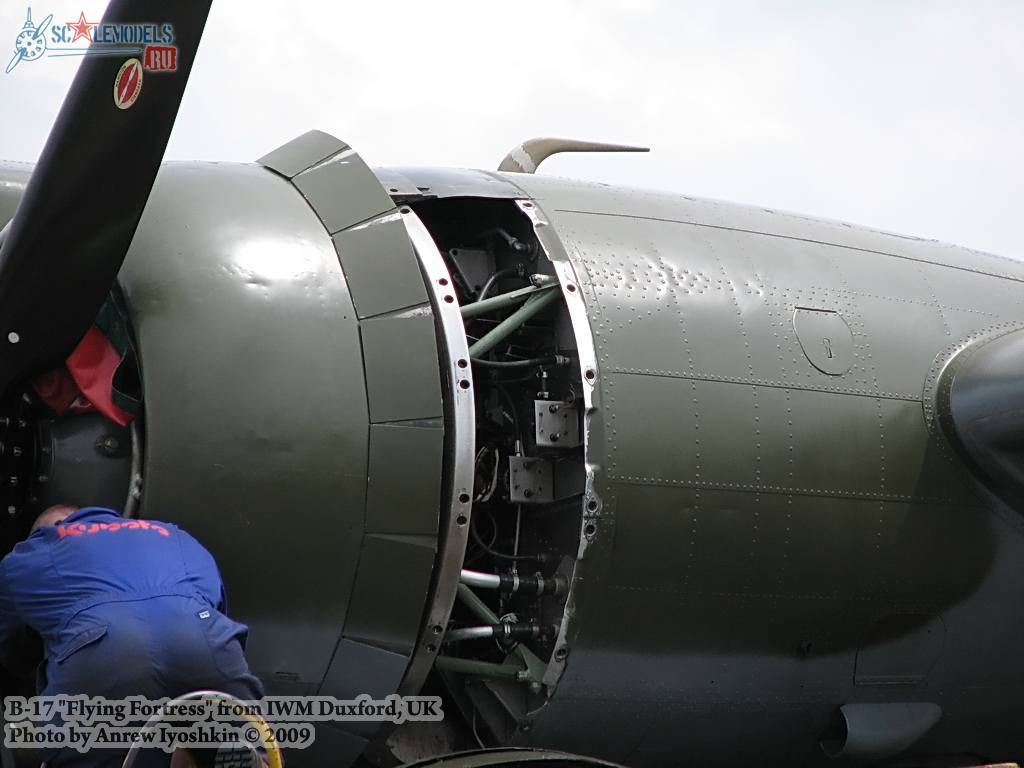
column 92, row 365
column 58, row 390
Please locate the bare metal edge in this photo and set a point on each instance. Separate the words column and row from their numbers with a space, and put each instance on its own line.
column 454, row 528
column 591, row 507
column 131, row 504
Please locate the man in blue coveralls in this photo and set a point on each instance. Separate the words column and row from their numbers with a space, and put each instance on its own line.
column 124, row 608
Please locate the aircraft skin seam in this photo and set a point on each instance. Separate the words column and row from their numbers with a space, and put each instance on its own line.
column 778, row 489
column 844, row 292
column 919, row 302
column 700, row 376
column 990, row 273
column 687, row 593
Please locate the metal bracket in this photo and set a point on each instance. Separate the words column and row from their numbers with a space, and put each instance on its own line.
column 473, row 264
column 529, row 480
column 557, row 424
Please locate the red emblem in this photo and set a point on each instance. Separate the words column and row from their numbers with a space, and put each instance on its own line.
column 128, row 84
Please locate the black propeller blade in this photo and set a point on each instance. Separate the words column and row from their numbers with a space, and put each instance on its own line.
column 62, row 251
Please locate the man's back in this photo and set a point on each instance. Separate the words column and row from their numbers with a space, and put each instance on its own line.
column 94, row 557
column 125, row 608
column 137, row 585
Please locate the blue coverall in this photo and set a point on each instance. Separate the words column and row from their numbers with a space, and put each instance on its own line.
column 124, row 607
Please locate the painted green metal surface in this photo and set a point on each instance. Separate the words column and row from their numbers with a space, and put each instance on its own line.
column 393, row 345
column 780, row 525
column 404, row 487
column 762, row 520
column 256, row 418
column 380, row 267
column 253, row 347
column 302, row 153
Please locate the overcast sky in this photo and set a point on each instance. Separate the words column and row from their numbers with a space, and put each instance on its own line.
column 907, row 116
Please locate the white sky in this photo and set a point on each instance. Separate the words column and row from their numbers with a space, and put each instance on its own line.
column 903, row 115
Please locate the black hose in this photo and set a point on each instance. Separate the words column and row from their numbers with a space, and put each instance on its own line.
column 493, row 279
column 531, row 363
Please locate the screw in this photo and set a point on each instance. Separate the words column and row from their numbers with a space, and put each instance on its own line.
column 12, row 481
column 16, row 451
column 528, row 493
column 553, row 437
column 552, row 408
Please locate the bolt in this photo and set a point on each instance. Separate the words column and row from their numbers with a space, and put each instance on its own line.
column 552, row 408
column 109, row 445
column 553, row 437
column 528, row 493
column 16, row 451
column 12, row 481
column 561, row 653
column 12, row 510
